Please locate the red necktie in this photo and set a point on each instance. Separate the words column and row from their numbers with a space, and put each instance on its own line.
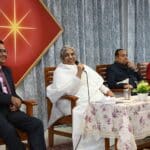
column 4, row 83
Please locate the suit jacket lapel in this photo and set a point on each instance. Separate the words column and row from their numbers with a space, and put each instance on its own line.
column 7, row 75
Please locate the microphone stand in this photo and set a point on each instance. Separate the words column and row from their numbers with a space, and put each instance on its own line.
column 87, row 81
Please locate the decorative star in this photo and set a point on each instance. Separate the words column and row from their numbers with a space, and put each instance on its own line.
column 15, row 27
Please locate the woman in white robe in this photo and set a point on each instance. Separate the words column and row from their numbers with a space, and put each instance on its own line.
column 73, row 79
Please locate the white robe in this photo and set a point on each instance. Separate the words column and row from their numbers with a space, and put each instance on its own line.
column 65, row 81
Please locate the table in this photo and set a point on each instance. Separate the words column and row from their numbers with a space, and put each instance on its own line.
column 125, row 120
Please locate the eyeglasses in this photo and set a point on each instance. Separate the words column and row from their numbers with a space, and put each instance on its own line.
column 3, row 51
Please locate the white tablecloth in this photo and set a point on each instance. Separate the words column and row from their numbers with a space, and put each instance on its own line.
column 127, row 120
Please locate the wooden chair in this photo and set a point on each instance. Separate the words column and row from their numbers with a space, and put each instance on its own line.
column 101, row 69
column 142, row 68
column 65, row 120
column 29, row 110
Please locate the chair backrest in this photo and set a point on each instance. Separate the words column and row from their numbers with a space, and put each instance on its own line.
column 64, row 120
column 102, row 70
column 142, row 68
column 48, row 73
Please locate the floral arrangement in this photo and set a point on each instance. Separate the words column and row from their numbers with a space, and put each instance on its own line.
column 142, row 87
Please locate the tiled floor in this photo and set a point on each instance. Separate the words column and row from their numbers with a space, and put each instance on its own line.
column 57, row 139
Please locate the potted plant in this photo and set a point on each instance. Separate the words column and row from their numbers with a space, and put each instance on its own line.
column 143, row 88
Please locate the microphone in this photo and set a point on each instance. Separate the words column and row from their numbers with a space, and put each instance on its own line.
column 87, row 80
column 77, row 62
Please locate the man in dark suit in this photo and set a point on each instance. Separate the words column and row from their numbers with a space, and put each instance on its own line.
column 10, row 115
column 123, row 73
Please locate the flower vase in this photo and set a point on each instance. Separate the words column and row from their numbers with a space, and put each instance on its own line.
column 142, row 96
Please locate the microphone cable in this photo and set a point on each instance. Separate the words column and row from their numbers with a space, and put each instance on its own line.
column 87, row 81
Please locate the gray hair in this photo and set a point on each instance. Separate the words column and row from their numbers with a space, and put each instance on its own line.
column 64, row 49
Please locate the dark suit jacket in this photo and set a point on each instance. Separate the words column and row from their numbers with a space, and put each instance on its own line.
column 5, row 99
column 118, row 72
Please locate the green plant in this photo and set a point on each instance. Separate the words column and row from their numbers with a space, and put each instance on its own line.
column 142, row 87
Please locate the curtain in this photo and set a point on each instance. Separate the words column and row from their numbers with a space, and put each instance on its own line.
column 95, row 28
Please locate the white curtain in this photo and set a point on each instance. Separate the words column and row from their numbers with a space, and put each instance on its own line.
column 95, row 28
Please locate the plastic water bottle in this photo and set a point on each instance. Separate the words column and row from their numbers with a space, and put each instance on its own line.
column 127, row 93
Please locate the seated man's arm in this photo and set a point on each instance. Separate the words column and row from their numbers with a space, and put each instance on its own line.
column 13, row 102
column 5, row 99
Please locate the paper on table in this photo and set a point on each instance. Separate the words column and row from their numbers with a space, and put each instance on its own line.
column 124, row 81
column 107, row 100
column 123, row 100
